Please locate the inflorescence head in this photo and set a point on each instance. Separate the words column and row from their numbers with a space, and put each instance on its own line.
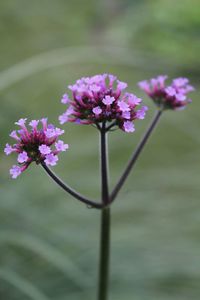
column 173, row 96
column 101, row 99
column 35, row 145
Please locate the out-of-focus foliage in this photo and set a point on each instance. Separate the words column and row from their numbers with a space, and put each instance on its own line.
column 166, row 28
column 48, row 241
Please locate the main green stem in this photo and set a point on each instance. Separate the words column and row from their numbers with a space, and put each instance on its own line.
column 103, row 283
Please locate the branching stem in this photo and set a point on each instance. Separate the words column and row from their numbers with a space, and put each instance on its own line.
column 71, row 191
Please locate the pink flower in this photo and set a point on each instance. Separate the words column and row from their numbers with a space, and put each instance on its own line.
column 173, row 96
column 35, row 145
column 101, row 99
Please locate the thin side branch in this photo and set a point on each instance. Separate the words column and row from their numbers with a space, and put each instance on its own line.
column 71, row 191
column 135, row 156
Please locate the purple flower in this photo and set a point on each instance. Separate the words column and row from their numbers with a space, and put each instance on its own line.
column 128, row 126
column 145, row 86
column 14, row 135
column 126, row 115
column 133, row 100
column 63, row 118
column 170, row 91
column 108, row 100
column 65, row 99
column 34, row 124
column 61, row 146
column 53, row 132
column 21, row 122
column 173, row 96
column 8, row 149
column 44, row 149
column 15, row 171
column 180, row 82
column 142, row 112
column 22, row 157
column 51, row 159
column 35, row 145
column 123, row 106
column 121, row 85
column 97, row 110
column 101, row 99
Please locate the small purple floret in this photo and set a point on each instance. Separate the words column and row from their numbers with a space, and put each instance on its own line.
column 15, row 171
column 34, row 123
column 128, row 126
column 21, row 122
column 51, row 159
column 142, row 112
column 65, row 99
column 108, row 100
column 22, row 157
column 8, row 149
column 97, row 110
column 44, row 149
column 61, row 146
column 123, row 106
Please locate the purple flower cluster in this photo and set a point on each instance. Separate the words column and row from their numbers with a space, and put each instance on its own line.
column 99, row 99
column 173, row 96
column 35, row 145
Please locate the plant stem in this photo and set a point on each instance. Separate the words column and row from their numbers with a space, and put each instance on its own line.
column 105, row 221
column 135, row 156
column 70, row 190
column 104, row 254
column 104, row 165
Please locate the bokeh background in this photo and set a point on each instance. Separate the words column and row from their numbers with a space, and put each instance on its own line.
column 48, row 241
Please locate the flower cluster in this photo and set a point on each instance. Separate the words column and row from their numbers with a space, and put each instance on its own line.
column 35, row 145
column 99, row 99
column 173, row 96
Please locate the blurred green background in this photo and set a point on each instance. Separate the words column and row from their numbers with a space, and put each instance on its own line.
column 48, row 241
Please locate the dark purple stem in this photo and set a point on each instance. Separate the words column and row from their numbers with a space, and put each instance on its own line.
column 69, row 190
column 104, row 165
column 135, row 156
column 103, row 283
